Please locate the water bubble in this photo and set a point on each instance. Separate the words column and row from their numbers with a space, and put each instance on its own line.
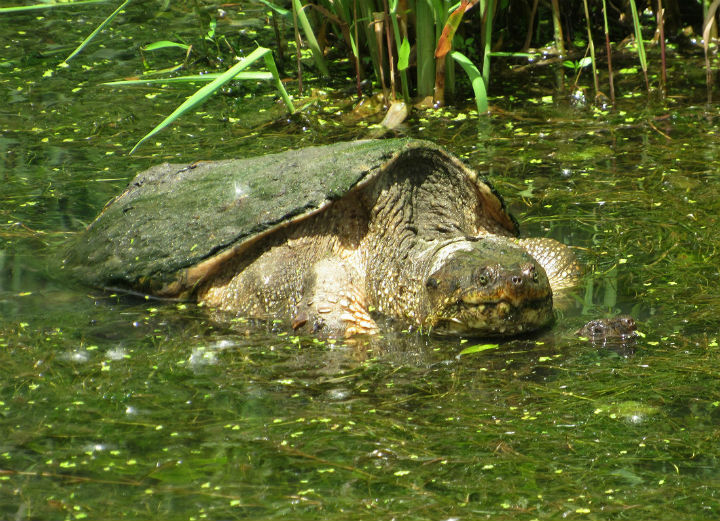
column 76, row 356
column 116, row 353
column 201, row 357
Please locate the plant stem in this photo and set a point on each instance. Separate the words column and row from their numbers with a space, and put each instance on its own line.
column 608, row 50
column 310, row 37
column 378, row 21
column 279, row 40
column 99, row 28
column 557, row 27
column 298, row 45
column 708, row 28
column 388, row 44
column 592, row 49
column 663, row 64
column 366, row 20
column 272, row 67
column 425, row 46
column 356, row 52
column 531, row 25
column 489, row 13
column 396, row 32
column 559, row 44
column 640, row 43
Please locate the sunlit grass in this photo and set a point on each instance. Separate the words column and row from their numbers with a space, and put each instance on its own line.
column 204, row 93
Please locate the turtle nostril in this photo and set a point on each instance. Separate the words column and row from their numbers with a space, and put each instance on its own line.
column 530, row 272
column 517, row 280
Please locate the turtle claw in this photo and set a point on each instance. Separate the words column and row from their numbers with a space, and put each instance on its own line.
column 299, row 321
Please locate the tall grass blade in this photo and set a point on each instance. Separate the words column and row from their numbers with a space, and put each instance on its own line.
column 279, row 10
column 163, row 44
column 22, row 8
column 311, row 40
column 208, row 90
column 708, row 25
column 270, row 64
column 248, row 76
column 99, row 28
column 476, row 80
column 338, row 14
column 439, row 89
column 640, row 43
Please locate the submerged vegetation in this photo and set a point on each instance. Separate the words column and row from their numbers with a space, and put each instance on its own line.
column 126, row 408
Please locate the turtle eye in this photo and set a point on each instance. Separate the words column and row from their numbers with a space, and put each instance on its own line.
column 432, row 283
column 482, row 280
column 530, row 272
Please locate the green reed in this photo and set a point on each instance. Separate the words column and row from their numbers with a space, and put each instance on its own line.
column 233, row 73
column 639, row 41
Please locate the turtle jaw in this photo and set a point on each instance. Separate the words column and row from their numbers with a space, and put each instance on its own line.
column 492, row 317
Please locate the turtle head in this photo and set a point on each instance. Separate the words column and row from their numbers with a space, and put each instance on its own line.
column 486, row 287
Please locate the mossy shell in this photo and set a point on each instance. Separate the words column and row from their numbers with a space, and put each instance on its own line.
column 175, row 224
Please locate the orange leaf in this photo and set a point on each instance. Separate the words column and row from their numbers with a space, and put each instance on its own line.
column 453, row 22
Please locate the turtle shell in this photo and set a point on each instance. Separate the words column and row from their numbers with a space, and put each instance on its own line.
column 175, row 224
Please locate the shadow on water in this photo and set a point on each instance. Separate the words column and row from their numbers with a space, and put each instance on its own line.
column 114, row 407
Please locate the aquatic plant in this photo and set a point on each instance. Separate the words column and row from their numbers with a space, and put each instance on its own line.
column 443, row 28
column 400, row 47
column 231, row 74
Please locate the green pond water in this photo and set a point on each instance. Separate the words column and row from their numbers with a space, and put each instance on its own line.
column 114, row 408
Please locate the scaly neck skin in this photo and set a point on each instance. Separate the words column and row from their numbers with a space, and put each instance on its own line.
column 397, row 274
column 407, row 224
column 485, row 286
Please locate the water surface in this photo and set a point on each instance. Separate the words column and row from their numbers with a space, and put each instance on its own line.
column 119, row 408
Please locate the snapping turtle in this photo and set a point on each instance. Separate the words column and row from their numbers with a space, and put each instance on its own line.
column 324, row 236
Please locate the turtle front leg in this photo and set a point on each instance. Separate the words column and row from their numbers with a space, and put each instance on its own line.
column 333, row 302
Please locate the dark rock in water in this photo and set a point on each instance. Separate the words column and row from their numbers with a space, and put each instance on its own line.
column 615, row 331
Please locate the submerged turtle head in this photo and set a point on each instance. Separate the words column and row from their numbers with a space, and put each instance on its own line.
column 486, row 287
